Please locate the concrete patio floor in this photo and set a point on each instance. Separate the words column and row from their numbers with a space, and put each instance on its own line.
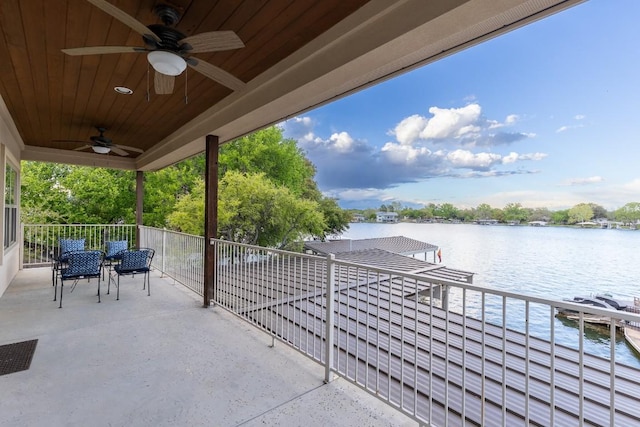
column 161, row 360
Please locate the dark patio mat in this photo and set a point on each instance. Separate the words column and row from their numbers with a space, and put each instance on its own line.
column 17, row 356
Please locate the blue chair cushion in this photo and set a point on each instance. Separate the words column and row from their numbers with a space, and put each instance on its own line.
column 83, row 263
column 115, row 247
column 135, row 261
column 70, row 245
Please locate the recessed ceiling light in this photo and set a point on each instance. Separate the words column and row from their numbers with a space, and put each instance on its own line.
column 123, row 90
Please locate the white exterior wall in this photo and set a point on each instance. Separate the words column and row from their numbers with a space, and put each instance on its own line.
column 10, row 152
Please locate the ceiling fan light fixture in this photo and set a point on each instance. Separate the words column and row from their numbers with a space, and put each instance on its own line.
column 167, row 63
column 100, row 149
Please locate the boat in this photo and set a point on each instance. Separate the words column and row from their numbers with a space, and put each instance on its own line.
column 590, row 301
column 617, row 304
column 598, row 301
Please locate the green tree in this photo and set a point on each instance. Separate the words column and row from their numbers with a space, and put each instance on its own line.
column 54, row 193
column 598, row 211
column 515, row 212
column 43, row 199
column 447, row 211
column 395, row 207
column 540, row 214
column 336, row 219
column 629, row 213
column 266, row 151
column 188, row 213
column 580, row 213
column 254, row 210
column 560, row 217
column 484, row 211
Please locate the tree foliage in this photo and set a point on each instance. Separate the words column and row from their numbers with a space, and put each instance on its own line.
column 629, row 213
column 515, row 212
column 580, row 213
column 267, row 152
column 54, row 193
column 253, row 210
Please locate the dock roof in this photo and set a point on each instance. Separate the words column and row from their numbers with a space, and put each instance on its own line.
column 395, row 244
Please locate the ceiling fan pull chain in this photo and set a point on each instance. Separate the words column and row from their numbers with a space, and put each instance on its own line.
column 186, row 83
column 148, row 96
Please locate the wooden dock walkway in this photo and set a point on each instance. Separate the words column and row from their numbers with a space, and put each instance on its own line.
column 632, row 335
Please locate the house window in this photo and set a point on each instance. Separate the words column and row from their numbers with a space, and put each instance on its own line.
column 10, row 206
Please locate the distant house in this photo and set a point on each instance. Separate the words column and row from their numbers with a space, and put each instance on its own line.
column 386, row 217
column 358, row 218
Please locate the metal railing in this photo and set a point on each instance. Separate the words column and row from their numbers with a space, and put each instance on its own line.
column 41, row 240
column 486, row 357
column 178, row 255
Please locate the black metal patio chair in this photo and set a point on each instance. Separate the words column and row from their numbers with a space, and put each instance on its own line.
column 132, row 262
column 113, row 254
column 60, row 256
column 81, row 265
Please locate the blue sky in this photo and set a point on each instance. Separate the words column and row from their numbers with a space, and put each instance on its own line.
column 545, row 116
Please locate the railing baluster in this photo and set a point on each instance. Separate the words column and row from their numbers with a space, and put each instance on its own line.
column 330, row 286
column 612, row 371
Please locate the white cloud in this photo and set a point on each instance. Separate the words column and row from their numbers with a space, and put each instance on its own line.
column 418, row 153
column 583, row 181
column 467, row 159
column 342, row 142
column 447, row 123
column 463, row 127
column 408, row 130
column 404, row 154
column 579, row 117
column 514, row 157
column 511, row 119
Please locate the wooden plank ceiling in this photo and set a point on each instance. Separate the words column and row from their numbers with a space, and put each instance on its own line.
column 297, row 54
column 52, row 96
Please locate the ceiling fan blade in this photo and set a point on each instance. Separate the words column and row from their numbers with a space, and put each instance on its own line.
column 163, row 84
column 99, row 50
column 217, row 74
column 123, row 17
column 126, row 147
column 84, row 147
column 73, row 141
column 213, row 41
column 118, row 151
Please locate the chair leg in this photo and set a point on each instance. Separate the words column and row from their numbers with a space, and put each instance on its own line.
column 148, row 284
column 118, row 289
column 61, row 290
column 98, row 287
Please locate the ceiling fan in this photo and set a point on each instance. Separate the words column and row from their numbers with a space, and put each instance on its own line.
column 103, row 145
column 168, row 50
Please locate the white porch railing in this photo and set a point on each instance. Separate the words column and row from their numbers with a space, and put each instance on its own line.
column 41, row 240
column 488, row 358
column 178, row 255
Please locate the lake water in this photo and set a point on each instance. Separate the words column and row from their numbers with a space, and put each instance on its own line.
column 548, row 262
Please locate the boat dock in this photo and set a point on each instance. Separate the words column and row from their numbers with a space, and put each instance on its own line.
column 632, row 332
column 632, row 335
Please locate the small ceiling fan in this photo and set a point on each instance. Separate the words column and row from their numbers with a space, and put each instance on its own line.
column 103, row 145
column 168, row 50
